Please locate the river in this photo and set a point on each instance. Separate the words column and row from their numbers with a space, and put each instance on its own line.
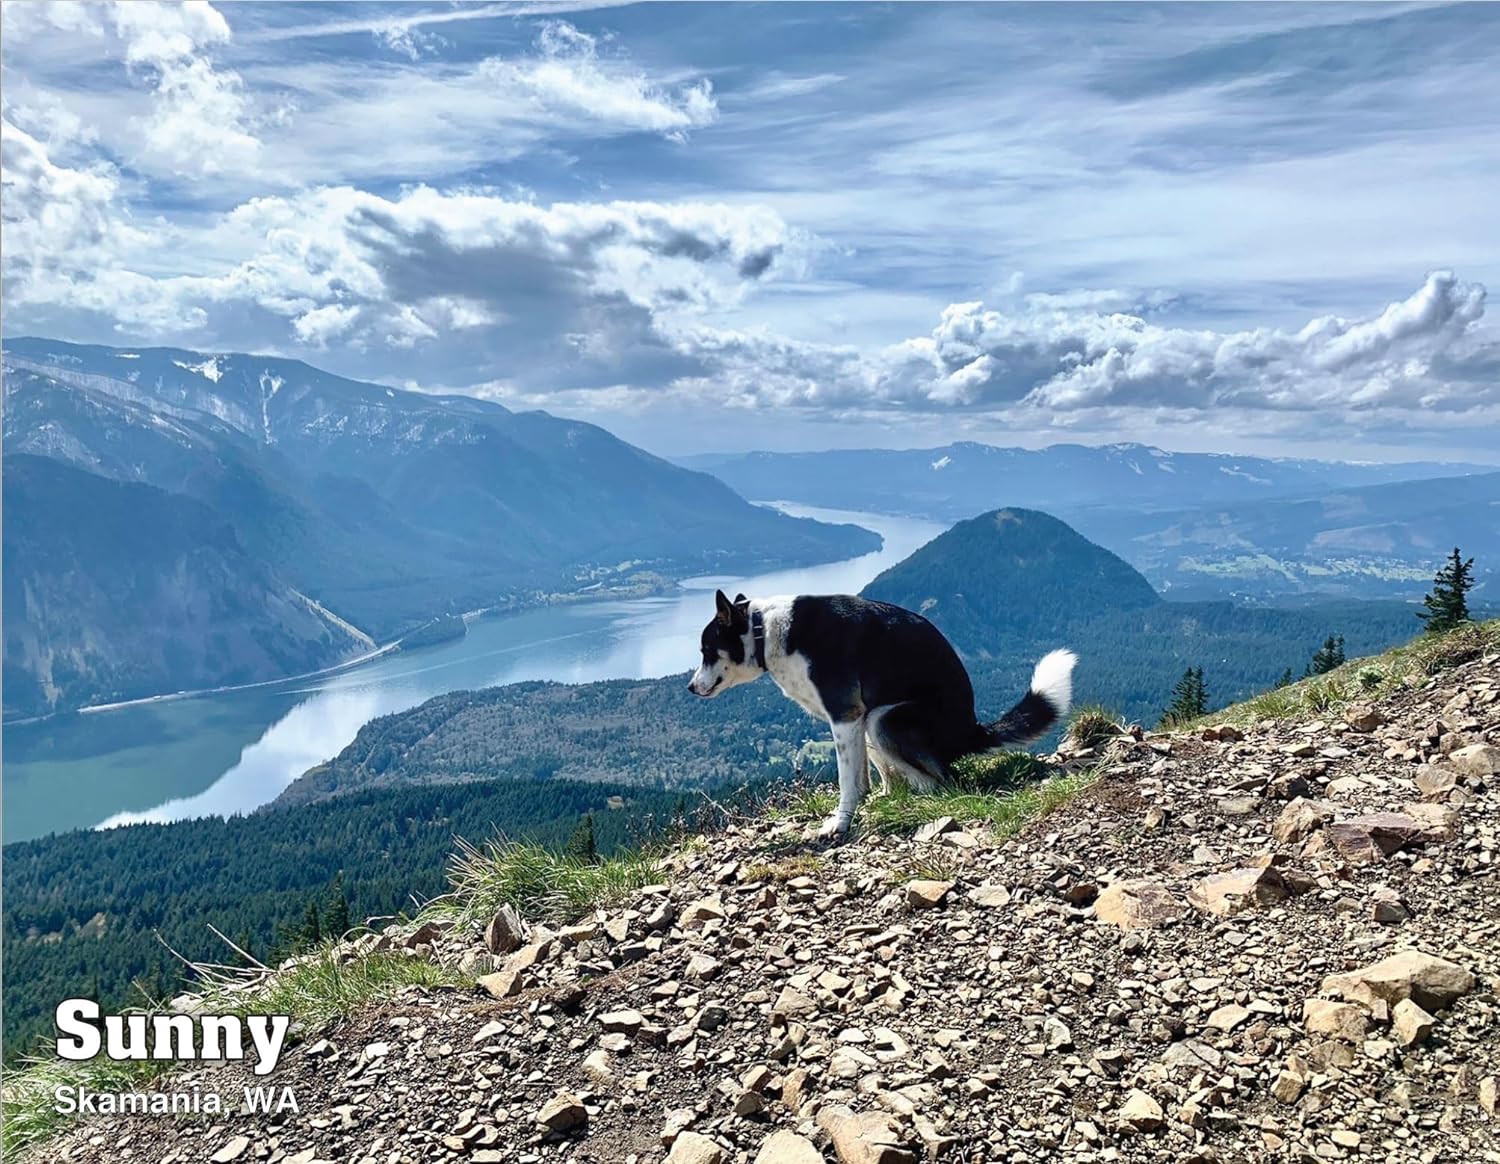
column 232, row 751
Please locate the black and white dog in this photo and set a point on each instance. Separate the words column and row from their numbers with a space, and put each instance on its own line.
column 881, row 676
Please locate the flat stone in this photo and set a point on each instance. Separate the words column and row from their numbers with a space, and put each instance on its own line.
column 927, row 894
column 1367, row 839
column 1410, row 1023
column 869, row 1138
column 1226, row 1018
column 1300, row 819
column 1476, row 760
column 1435, row 781
column 1134, row 905
column 989, row 896
column 1339, row 1020
column 231, row 1151
column 562, row 1113
column 625, row 1022
column 784, row 1147
column 695, row 1148
column 1141, row 1112
column 1225, row 894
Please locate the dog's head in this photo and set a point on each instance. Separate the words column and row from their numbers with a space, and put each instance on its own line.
column 728, row 649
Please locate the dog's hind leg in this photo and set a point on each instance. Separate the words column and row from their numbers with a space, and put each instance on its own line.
column 899, row 733
column 854, row 774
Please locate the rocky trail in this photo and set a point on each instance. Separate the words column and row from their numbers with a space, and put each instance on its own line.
column 1275, row 942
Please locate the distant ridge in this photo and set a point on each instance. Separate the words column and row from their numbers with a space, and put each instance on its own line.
column 953, row 481
column 388, row 507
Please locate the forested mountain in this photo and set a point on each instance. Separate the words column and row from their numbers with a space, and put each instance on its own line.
column 957, row 480
column 115, row 589
column 388, row 507
column 1369, row 541
column 1008, row 585
column 82, row 910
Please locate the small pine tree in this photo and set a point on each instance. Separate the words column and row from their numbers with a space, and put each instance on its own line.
column 311, row 932
column 1286, row 679
column 336, row 919
column 1327, row 657
column 1189, row 698
column 1448, row 604
column 581, row 843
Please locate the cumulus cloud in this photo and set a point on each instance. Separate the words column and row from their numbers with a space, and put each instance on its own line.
column 579, row 293
column 199, row 121
column 59, row 221
column 1047, row 354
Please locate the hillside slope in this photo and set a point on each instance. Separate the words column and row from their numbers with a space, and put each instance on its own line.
column 1265, row 943
column 387, row 507
column 1367, row 541
column 116, row 590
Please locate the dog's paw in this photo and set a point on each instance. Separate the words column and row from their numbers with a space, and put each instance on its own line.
column 835, row 826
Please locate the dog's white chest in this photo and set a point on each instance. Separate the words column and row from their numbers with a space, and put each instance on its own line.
column 792, row 674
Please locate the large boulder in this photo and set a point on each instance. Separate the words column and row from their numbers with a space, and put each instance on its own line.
column 1429, row 981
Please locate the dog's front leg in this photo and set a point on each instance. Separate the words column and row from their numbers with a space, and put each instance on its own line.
column 849, row 746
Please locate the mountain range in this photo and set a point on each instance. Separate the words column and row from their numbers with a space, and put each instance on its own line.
column 1196, row 524
column 383, row 507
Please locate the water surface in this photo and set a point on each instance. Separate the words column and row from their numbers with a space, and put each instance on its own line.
column 230, row 752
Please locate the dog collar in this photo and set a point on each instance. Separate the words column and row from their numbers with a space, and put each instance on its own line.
column 758, row 636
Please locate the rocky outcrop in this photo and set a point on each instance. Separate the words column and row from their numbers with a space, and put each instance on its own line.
column 1182, row 963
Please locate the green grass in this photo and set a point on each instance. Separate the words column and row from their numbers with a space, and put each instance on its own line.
column 786, row 868
column 318, row 989
column 1090, row 726
column 1001, row 791
column 540, row 884
column 1360, row 680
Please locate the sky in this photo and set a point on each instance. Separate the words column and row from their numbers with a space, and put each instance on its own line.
column 1247, row 228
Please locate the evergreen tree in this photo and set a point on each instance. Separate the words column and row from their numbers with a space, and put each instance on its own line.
column 1448, row 604
column 1286, row 678
column 581, row 843
column 1189, row 698
column 311, row 932
column 1328, row 656
column 336, row 920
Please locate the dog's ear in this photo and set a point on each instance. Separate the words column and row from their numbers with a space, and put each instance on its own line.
column 741, row 600
column 725, row 612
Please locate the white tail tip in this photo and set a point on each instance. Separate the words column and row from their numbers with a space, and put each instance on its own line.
column 1053, row 679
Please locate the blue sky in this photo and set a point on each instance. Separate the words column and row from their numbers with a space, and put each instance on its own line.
column 1261, row 228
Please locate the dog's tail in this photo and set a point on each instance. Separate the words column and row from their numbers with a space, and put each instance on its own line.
column 1047, row 701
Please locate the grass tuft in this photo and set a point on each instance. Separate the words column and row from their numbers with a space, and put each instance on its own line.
column 540, row 884
column 787, row 868
column 1004, row 791
column 1091, row 726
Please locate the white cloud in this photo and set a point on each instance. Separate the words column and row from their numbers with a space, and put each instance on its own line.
column 1425, row 352
column 60, row 222
column 199, row 121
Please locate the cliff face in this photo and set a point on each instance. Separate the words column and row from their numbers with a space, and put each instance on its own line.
column 1276, row 939
column 115, row 590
